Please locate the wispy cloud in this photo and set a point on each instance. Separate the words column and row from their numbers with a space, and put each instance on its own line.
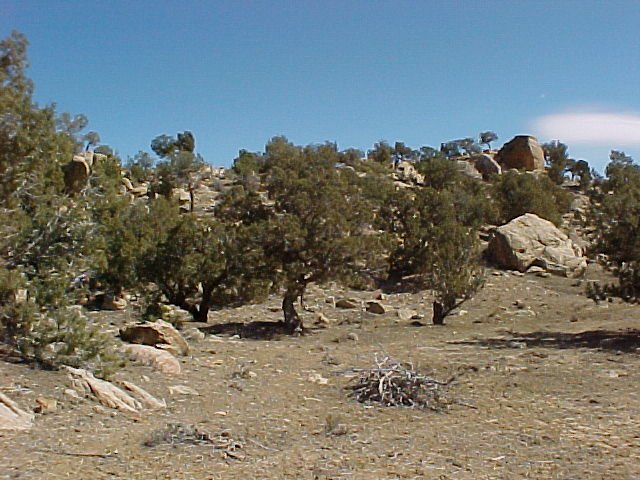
column 591, row 127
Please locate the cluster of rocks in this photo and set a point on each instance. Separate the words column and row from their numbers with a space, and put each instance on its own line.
column 522, row 153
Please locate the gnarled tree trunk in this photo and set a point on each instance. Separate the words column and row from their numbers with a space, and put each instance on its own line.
column 291, row 318
column 439, row 313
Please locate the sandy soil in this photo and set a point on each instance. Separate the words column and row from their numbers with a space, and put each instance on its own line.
column 538, row 397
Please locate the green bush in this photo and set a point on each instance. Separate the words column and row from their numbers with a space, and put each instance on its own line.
column 615, row 213
column 518, row 193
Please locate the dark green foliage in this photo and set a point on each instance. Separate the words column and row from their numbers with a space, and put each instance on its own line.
column 487, row 137
column 247, row 163
column 140, row 166
column 179, row 163
column 202, row 264
column 315, row 227
column 46, row 238
column 616, row 215
column 581, row 169
column 381, row 153
column 518, row 193
column 434, row 243
column 557, row 159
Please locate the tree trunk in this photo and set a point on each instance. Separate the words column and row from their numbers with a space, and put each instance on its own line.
column 291, row 318
column 192, row 198
column 205, row 304
column 438, row 313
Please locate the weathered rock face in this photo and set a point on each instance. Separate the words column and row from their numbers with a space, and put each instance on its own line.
column 486, row 165
column 522, row 153
column 530, row 240
column 159, row 333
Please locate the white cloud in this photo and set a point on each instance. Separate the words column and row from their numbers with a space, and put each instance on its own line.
column 597, row 128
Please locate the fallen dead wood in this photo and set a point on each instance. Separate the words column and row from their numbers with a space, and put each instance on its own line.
column 393, row 384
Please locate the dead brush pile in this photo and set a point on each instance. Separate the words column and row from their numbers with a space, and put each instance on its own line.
column 393, row 384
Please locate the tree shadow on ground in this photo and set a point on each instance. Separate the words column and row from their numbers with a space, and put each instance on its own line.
column 412, row 284
column 252, row 330
column 611, row 340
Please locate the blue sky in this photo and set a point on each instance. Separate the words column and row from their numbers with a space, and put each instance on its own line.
column 237, row 73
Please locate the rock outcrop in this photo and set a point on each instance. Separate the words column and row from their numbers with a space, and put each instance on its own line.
column 522, row 153
column 530, row 240
column 110, row 395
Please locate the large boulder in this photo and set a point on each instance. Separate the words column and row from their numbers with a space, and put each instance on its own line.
column 486, row 165
column 530, row 240
column 76, row 174
column 158, row 333
column 522, row 153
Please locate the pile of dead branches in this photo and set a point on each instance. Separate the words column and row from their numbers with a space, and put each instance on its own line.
column 393, row 384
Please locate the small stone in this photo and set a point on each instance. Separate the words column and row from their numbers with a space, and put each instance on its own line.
column 71, row 393
column 376, row 308
column 46, row 405
column 347, row 303
column 113, row 303
column 406, row 314
column 193, row 334
column 535, row 269
column 183, row 390
column 352, row 336
column 321, row 319
column 543, row 274
column 317, row 379
column 516, row 273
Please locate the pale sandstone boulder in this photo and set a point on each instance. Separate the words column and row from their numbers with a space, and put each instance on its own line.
column 155, row 333
column 13, row 417
column 160, row 360
column 530, row 240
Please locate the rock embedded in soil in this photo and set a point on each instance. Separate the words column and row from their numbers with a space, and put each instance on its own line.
column 160, row 360
column 155, row 333
column 406, row 314
column 376, row 307
column 13, row 417
column 347, row 303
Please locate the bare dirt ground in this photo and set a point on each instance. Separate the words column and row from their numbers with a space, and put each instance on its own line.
column 536, row 397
